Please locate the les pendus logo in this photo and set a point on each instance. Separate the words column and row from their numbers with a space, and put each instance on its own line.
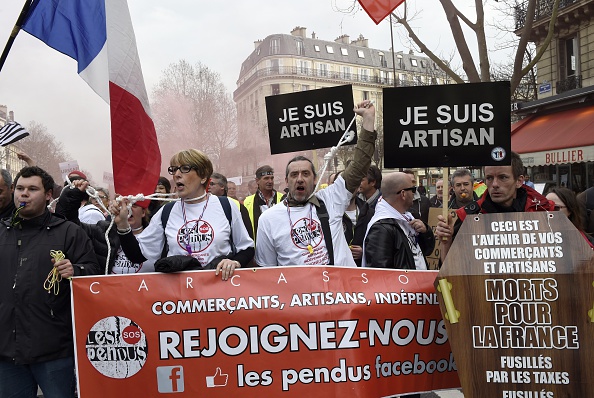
column 198, row 234
column 117, row 347
column 305, row 233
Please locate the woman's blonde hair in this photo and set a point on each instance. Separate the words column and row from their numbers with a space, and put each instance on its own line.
column 195, row 158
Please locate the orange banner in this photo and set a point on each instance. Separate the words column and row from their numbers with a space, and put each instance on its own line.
column 295, row 331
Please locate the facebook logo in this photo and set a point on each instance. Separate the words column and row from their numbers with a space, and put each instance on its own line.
column 170, row 379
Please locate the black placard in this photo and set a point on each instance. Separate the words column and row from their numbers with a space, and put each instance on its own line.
column 309, row 119
column 449, row 125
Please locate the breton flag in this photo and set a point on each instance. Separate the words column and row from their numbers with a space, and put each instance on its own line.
column 11, row 133
column 379, row 9
column 98, row 34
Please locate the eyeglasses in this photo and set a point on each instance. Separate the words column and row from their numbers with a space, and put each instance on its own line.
column 184, row 169
column 413, row 189
column 557, row 207
column 102, row 197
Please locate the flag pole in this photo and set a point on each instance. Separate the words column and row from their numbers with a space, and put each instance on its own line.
column 15, row 31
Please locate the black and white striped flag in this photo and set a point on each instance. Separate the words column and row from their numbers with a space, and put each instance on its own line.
column 11, row 133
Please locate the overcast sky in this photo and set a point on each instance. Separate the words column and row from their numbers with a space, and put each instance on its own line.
column 41, row 84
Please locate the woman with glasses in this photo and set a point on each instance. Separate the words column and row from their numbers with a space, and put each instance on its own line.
column 197, row 225
column 566, row 202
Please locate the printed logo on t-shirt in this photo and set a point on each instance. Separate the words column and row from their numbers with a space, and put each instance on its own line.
column 306, row 232
column 197, row 234
column 124, row 266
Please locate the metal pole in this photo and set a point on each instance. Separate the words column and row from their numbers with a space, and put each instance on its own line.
column 15, row 31
column 393, row 58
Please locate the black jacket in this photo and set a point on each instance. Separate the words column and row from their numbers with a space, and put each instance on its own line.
column 386, row 245
column 355, row 236
column 68, row 205
column 36, row 326
column 420, row 209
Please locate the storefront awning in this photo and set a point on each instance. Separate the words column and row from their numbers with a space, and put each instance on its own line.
column 554, row 138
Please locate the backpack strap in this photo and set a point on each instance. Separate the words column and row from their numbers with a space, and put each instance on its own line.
column 164, row 218
column 227, row 209
column 325, row 221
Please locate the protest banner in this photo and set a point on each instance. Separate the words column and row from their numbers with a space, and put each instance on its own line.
column 310, row 119
column 448, row 125
column 517, row 295
column 67, row 168
column 283, row 331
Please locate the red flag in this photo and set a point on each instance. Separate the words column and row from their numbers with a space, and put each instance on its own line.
column 379, row 9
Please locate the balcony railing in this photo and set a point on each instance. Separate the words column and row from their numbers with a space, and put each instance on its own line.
column 572, row 82
column 322, row 74
column 544, row 8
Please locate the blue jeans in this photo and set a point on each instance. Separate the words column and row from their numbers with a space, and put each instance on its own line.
column 55, row 378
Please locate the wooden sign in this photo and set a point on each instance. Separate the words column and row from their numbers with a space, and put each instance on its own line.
column 310, row 119
column 433, row 258
column 517, row 294
column 449, row 125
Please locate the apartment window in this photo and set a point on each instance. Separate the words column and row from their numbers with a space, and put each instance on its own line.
column 323, row 70
column 434, row 81
column 382, row 58
column 274, row 65
column 360, row 54
column 274, row 46
column 568, row 57
column 329, row 49
column 344, row 51
column 364, row 75
column 365, row 95
column 413, row 62
column 317, row 48
column 304, row 87
column 423, row 63
column 345, row 72
column 275, row 89
column 302, row 67
column 300, row 49
column 419, row 80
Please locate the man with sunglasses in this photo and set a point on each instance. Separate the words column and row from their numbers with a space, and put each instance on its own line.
column 506, row 192
column 395, row 239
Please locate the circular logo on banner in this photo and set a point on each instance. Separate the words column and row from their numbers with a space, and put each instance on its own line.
column 198, row 234
column 498, row 154
column 304, row 233
column 117, row 347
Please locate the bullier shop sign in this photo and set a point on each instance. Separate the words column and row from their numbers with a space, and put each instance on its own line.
column 449, row 125
column 309, row 119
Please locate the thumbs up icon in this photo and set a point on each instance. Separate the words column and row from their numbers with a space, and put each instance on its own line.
column 218, row 380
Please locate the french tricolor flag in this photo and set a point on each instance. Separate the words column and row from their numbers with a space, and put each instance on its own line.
column 98, row 34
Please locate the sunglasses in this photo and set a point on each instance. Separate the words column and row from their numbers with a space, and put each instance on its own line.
column 413, row 189
column 184, row 169
column 557, row 207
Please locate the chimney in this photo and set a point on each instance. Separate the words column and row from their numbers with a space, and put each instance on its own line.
column 344, row 39
column 257, row 44
column 313, row 35
column 361, row 41
column 299, row 32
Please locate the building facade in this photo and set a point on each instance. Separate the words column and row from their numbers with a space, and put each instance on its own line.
column 286, row 63
column 556, row 134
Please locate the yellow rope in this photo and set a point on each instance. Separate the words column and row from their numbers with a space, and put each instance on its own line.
column 52, row 282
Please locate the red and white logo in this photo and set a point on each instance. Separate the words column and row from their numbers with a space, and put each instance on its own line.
column 197, row 234
column 306, row 232
column 117, row 347
column 170, row 379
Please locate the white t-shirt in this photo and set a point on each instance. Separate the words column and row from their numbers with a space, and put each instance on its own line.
column 284, row 236
column 206, row 236
column 90, row 214
column 124, row 266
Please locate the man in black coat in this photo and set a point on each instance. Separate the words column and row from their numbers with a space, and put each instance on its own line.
column 36, row 345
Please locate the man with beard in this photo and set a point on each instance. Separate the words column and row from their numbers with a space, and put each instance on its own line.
column 264, row 198
column 307, row 228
